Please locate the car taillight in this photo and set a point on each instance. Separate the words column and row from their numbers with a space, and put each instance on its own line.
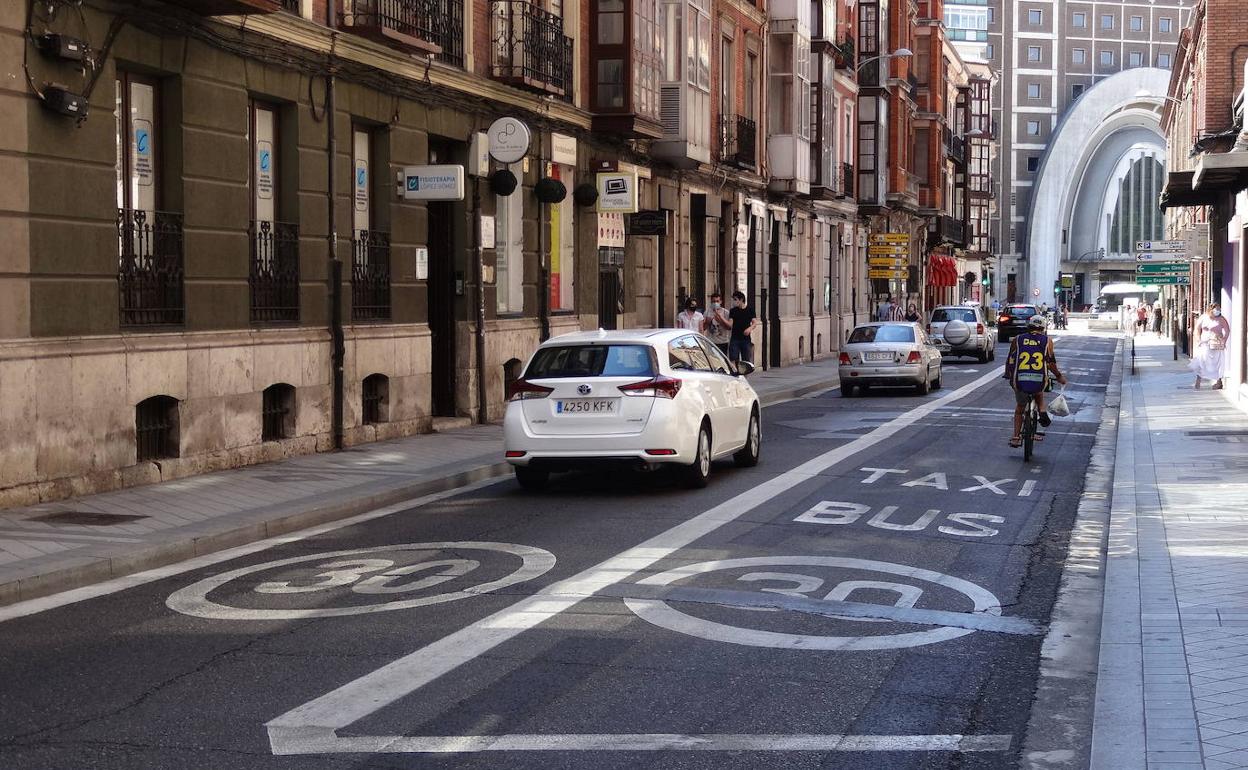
column 913, row 358
column 523, row 390
column 979, row 328
column 1003, row 319
column 844, row 359
column 661, row 386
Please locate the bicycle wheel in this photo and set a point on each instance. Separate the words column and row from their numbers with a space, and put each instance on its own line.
column 1029, row 431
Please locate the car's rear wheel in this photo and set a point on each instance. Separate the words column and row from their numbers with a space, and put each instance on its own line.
column 531, row 478
column 925, row 384
column 992, row 353
column 982, row 357
column 697, row 473
column 747, row 456
column 936, row 383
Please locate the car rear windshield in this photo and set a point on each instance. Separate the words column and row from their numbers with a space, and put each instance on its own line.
column 882, row 334
column 591, row 361
column 953, row 314
column 1025, row 311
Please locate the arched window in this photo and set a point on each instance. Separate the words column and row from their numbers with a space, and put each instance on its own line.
column 1137, row 216
column 156, row 428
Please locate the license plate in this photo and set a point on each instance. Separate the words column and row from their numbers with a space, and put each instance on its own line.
column 883, row 356
column 586, row 406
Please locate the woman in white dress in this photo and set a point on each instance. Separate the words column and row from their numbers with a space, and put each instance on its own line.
column 1212, row 332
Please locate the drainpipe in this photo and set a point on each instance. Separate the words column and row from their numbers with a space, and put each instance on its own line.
column 338, row 348
column 543, row 275
column 479, row 272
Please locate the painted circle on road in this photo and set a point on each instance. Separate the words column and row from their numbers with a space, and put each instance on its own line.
column 365, row 572
column 665, row 616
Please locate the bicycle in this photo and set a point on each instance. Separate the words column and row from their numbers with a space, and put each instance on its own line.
column 1031, row 423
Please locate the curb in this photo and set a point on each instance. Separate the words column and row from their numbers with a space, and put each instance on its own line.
column 241, row 533
column 790, row 394
column 1059, row 729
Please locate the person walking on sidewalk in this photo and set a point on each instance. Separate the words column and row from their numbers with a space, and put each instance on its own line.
column 718, row 323
column 1157, row 317
column 912, row 313
column 1212, row 332
column 690, row 318
column 744, row 319
column 1027, row 367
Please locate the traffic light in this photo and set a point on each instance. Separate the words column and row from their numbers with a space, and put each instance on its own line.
column 985, row 280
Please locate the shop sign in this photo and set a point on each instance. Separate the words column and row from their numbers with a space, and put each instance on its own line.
column 617, row 191
column 432, row 183
column 563, row 149
column 509, row 140
column 610, row 230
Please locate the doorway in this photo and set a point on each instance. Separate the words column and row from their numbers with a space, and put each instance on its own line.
column 773, row 297
column 441, row 288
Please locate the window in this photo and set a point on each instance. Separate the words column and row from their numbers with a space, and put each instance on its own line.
column 1033, row 128
column 138, row 142
column 1078, row 55
column 1164, row 24
column 375, row 399
column 1033, row 53
column 1163, row 61
column 988, row 51
column 647, row 56
column 610, row 22
column 1107, row 21
column 1033, row 90
column 1033, row 163
column 1107, row 58
column 1079, row 20
column 509, row 249
column 592, row 361
column 1035, row 17
column 1076, row 90
column 370, row 259
column 992, row 15
column 156, row 428
column 277, row 412
column 1137, row 23
column 685, row 353
column 1136, row 59
column 610, row 84
column 748, row 107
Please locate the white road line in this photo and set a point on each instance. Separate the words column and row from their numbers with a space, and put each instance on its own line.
column 33, row 606
column 455, row 744
column 311, row 728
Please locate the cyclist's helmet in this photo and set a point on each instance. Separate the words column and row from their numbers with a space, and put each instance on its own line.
column 1036, row 322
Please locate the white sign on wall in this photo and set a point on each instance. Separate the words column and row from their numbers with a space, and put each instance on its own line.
column 422, row 263
column 509, row 140
column 563, row 149
column 611, row 231
column 617, row 191
column 487, row 232
column 432, row 183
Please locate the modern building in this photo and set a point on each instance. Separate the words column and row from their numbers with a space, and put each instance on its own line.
column 1078, row 209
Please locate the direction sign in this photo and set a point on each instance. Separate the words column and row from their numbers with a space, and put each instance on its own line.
column 893, row 262
column 888, row 249
column 1160, row 245
column 890, row 238
column 1163, row 280
column 1161, row 256
column 885, row 273
column 1164, row 267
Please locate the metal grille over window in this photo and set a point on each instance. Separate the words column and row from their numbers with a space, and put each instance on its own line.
column 530, row 49
column 433, row 25
column 150, row 267
column 274, row 274
column 156, row 428
column 738, row 140
column 376, row 393
column 370, row 276
column 277, row 412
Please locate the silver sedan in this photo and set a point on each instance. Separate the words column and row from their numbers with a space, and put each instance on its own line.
column 889, row 355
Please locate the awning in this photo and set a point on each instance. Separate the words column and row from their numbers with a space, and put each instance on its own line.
column 1178, row 192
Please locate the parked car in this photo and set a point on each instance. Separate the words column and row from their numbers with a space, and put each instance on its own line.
column 960, row 330
column 642, row 398
column 890, row 355
column 1013, row 320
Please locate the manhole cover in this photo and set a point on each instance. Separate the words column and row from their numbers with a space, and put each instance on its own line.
column 88, row 518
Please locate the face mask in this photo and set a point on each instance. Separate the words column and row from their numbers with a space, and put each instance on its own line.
column 714, row 306
column 1217, row 313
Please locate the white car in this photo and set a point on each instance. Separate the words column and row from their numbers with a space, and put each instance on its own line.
column 642, row 398
column 960, row 330
column 889, row 354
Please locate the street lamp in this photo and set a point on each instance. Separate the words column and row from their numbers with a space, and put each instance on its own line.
column 1144, row 93
column 900, row 53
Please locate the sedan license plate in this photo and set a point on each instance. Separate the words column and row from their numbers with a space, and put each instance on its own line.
column 877, row 356
column 586, row 406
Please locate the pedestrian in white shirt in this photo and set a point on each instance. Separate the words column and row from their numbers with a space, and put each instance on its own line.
column 690, row 318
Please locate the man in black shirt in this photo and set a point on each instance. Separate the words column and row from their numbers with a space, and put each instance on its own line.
column 744, row 319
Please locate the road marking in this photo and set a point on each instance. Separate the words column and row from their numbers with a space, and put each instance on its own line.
column 1028, row 486
column 356, row 574
column 458, row 744
column 312, row 727
column 834, row 512
column 986, row 484
column 42, row 604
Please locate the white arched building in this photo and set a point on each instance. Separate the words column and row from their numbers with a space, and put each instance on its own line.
column 1097, row 186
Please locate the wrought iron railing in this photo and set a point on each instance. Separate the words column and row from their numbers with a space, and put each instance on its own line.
column 530, row 48
column 727, row 138
column 150, row 267
column 274, row 276
column 847, row 172
column 370, row 276
column 747, row 142
column 292, row 6
column 440, row 22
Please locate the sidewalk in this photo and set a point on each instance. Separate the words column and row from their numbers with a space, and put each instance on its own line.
column 54, row 547
column 1172, row 686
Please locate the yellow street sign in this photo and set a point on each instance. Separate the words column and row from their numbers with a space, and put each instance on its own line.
column 890, row 238
column 893, row 262
column 882, row 273
column 888, row 249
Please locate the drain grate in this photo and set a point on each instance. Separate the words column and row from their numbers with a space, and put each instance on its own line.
column 88, row 518
column 1203, row 433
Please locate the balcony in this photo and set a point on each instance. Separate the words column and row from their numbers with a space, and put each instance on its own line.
column 847, row 175
column 150, row 268
column 947, row 230
column 738, row 141
column 430, row 26
column 843, row 54
column 370, row 276
column 530, row 49
column 274, row 274
column 229, row 7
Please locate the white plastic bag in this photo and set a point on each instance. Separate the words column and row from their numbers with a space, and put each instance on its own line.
column 1058, row 406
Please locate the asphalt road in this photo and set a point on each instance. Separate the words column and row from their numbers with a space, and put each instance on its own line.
column 873, row 594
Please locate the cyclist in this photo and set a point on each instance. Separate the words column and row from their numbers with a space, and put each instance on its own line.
column 1027, row 367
